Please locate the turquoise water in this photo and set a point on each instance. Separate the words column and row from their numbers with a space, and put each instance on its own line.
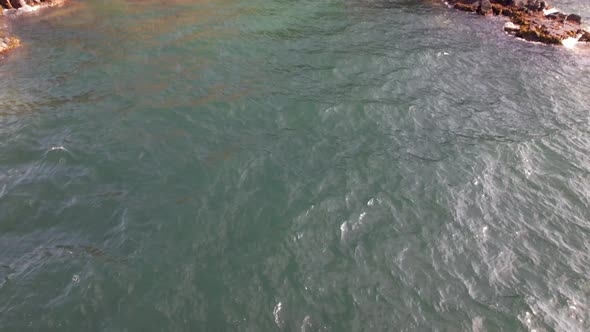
column 259, row 165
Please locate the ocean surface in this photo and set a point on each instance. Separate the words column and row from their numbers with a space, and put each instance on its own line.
column 273, row 165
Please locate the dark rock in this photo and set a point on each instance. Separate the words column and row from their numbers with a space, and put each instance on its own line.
column 15, row 3
column 538, row 35
column 484, row 7
column 557, row 16
column 507, row 11
column 519, row 4
column 535, row 5
column 5, row 4
column 574, row 18
column 528, row 20
column 497, row 10
column 8, row 43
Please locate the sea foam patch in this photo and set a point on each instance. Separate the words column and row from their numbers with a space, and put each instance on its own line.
column 571, row 41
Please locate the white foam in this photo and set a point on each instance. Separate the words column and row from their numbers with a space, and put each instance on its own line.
column 277, row 314
column 550, row 11
column 58, row 148
column 571, row 41
column 344, row 230
column 29, row 9
column 25, row 8
column 509, row 26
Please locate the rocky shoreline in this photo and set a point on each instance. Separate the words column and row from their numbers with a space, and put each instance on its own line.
column 8, row 42
column 532, row 20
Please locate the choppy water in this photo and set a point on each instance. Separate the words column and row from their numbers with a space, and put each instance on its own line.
column 265, row 165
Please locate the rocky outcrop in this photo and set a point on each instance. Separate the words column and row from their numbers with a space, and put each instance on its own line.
column 7, row 42
column 531, row 20
column 16, row 4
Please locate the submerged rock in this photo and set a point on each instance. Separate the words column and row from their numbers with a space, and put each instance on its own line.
column 16, row 4
column 8, row 43
column 528, row 19
column 574, row 18
column 485, row 7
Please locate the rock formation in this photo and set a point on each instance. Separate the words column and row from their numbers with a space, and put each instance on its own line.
column 531, row 20
column 16, row 4
column 7, row 42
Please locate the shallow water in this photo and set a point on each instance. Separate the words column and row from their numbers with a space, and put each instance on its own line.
column 260, row 165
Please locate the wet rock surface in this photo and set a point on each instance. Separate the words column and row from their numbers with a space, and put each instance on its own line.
column 531, row 20
column 8, row 42
column 16, row 4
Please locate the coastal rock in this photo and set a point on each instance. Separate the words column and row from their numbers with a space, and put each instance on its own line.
column 535, row 5
column 528, row 19
column 517, row 4
column 8, row 43
column 574, row 18
column 5, row 4
column 557, row 16
column 484, row 7
column 541, row 35
column 16, row 4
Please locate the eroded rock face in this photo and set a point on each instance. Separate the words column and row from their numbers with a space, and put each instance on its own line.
column 529, row 16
